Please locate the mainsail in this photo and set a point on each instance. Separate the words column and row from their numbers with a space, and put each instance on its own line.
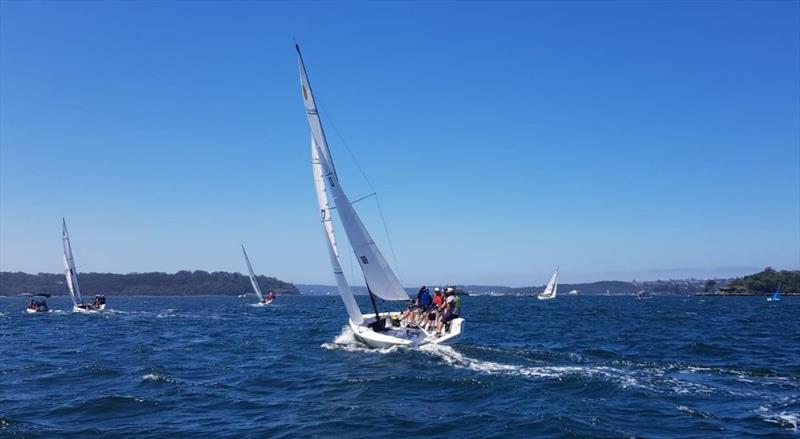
column 350, row 304
column 253, row 279
column 69, row 266
column 552, row 286
column 378, row 275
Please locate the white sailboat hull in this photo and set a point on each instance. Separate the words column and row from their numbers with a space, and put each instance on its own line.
column 35, row 311
column 400, row 335
column 78, row 309
column 541, row 297
column 263, row 303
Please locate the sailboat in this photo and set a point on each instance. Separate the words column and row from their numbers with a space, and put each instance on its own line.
column 78, row 305
column 776, row 296
column 551, row 288
column 253, row 281
column 381, row 329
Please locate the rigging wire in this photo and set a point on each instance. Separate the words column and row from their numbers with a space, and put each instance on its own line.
column 369, row 183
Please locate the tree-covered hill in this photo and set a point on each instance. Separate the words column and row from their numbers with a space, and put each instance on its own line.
column 765, row 282
column 182, row 283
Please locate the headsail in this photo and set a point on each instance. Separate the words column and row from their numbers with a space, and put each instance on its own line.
column 350, row 304
column 552, row 286
column 253, row 280
column 378, row 275
column 69, row 266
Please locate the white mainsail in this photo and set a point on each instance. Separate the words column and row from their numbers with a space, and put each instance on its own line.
column 380, row 278
column 253, row 279
column 69, row 267
column 552, row 286
column 353, row 311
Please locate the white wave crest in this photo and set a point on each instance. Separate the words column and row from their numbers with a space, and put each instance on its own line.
column 454, row 358
column 157, row 377
column 784, row 419
column 346, row 341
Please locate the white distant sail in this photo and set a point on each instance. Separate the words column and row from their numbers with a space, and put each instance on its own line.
column 551, row 289
column 253, row 280
column 380, row 278
column 69, row 267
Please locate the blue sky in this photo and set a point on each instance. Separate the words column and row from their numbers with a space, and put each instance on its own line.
column 618, row 140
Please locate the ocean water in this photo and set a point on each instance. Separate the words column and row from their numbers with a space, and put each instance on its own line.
column 571, row 367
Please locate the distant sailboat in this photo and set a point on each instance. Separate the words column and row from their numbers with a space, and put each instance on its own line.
column 573, row 293
column 776, row 296
column 254, row 282
column 551, row 288
column 382, row 329
column 642, row 294
column 78, row 305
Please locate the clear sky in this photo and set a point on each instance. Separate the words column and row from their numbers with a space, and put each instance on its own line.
column 618, row 140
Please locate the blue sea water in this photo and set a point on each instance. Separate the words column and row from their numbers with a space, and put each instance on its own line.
column 571, row 367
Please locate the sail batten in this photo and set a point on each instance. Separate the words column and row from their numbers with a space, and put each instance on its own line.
column 253, row 279
column 378, row 275
column 70, row 271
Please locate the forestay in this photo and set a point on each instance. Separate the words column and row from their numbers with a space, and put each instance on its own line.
column 69, row 267
column 378, row 275
column 253, row 280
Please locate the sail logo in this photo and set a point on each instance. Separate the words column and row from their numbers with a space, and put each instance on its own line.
column 364, row 260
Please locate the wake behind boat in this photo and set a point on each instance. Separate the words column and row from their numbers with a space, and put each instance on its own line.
column 381, row 329
column 262, row 301
column 78, row 305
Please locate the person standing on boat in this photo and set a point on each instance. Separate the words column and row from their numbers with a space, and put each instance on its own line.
column 424, row 302
column 448, row 311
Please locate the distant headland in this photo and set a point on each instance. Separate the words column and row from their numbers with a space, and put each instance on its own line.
column 182, row 283
column 199, row 283
column 760, row 284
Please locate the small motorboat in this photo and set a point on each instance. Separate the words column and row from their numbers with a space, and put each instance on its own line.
column 38, row 305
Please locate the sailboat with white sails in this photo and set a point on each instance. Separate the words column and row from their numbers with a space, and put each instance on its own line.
column 78, row 305
column 254, row 282
column 551, row 288
column 381, row 329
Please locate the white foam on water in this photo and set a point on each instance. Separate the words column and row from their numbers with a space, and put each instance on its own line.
column 454, row 358
column 783, row 418
column 695, row 412
column 346, row 341
column 157, row 377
